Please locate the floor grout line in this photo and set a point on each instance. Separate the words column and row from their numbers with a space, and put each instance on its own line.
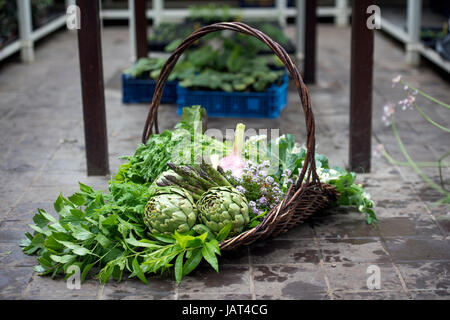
column 324, row 272
column 36, row 177
column 251, row 275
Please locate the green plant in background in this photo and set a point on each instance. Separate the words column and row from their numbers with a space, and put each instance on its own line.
column 228, row 68
column 8, row 21
column 211, row 13
column 40, row 10
column 389, row 119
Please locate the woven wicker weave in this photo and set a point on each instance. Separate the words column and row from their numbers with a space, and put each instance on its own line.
column 305, row 197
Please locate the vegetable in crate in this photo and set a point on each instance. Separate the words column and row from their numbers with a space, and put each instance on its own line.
column 170, row 209
column 222, row 205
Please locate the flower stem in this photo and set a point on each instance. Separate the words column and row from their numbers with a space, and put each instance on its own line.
column 412, row 163
column 426, row 95
column 429, row 119
column 419, row 164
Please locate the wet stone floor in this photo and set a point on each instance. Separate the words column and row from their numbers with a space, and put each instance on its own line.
column 331, row 256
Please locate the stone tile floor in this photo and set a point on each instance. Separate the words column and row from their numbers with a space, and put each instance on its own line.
column 42, row 154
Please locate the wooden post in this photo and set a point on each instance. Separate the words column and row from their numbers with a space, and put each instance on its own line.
column 300, row 32
column 141, row 29
column 92, row 89
column 310, row 41
column 361, row 88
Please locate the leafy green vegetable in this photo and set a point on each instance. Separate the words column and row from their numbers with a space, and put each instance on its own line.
column 290, row 158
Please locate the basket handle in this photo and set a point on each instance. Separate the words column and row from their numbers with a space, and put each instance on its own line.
column 309, row 166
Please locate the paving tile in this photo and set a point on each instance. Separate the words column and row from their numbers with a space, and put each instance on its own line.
column 406, row 249
column 372, row 295
column 239, row 256
column 230, row 279
column 13, row 280
column 46, row 288
column 431, row 295
column 444, row 222
column 354, row 276
column 422, row 226
column 11, row 255
column 289, row 281
column 343, row 223
column 284, row 251
column 132, row 289
column 213, row 296
column 13, row 231
column 426, row 275
column 299, row 232
column 352, row 250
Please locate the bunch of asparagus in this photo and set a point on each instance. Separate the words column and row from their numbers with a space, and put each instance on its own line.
column 196, row 179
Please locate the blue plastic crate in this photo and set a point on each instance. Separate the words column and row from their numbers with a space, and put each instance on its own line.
column 136, row 90
column 267, row 104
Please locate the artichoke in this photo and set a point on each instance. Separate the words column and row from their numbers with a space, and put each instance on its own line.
column 220, row 205
column 170, row 209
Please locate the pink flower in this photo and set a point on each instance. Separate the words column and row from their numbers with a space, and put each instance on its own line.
column 396, row 80
column 378, row 150
column 388, row 112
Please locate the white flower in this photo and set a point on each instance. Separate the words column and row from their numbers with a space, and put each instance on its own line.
column 396, row 80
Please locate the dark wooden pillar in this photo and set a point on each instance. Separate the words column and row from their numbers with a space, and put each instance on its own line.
column 92, row 89
column 141, row 28
column 309, row 75
column 361, row 88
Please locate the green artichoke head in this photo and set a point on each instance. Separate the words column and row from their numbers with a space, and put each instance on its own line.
column 221, row 205
column 170, row 209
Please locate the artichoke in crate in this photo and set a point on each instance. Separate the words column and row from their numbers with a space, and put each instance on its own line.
column 170, row 209
column 221, row 205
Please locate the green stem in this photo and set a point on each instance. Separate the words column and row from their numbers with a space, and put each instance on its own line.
column 412, row 163
column 440, row 170
column 419, row 164
column 239, row 139
column 429, row 119
column 426, row 95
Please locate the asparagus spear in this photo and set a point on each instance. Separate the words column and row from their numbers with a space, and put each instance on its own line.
column 194, row 190
column 214, row 174
column 191, row 177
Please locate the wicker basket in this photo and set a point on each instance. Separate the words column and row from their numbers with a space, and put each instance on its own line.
column 303, row 198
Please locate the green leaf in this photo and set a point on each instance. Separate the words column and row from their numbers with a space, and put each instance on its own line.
column 141, row 243
column 80, row 233
column 63, row 259
column 77, row 199
column 62, row 206
column 182, row 239
column 86, row 270
column 77, row 249
column 192, row 262
column 214, row 244
column 208, row 252
column 85, row 188
column 163, row 238
column 173, row 45
column 179, row 267
column 40, row 230
column 137, row 270
column 104, row 241
column 35, row 244
column 106, row 273
column 223, row 233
